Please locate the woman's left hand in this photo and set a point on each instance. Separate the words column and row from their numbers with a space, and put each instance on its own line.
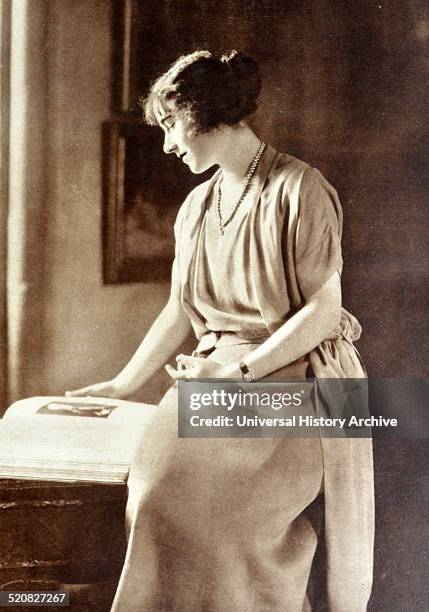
column 199, row 367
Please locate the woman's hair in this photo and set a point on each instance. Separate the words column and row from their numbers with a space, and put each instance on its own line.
column 209, row 90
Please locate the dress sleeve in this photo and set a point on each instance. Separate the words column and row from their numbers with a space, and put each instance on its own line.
column 318, row 243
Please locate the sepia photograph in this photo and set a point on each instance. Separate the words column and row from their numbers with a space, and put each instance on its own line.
column 203, row 204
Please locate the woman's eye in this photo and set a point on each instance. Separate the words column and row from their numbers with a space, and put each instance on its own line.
column 170, row 126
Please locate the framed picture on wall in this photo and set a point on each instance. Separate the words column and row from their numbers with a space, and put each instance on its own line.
column 143, row 190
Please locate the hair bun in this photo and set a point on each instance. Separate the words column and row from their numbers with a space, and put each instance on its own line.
column 241, row 63
column 245, row 73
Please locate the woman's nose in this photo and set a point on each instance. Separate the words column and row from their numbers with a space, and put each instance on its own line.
column 169, row 145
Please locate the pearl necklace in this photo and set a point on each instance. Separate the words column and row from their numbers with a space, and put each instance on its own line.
column 246, row 183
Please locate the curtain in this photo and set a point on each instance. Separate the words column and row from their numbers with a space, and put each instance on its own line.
column 24, row 108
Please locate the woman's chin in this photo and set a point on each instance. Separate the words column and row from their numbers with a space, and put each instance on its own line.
column 198, row 169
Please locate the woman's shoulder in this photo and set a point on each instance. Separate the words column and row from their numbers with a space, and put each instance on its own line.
column 288, row 171
column 286, row 166
column 288, row 174
column 284, row 162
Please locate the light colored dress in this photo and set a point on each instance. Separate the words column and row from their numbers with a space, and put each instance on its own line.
column 219, row 525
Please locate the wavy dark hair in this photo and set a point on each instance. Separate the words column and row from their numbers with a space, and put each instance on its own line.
column 209, row 90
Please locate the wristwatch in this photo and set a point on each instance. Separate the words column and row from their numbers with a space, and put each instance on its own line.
column 247, row 375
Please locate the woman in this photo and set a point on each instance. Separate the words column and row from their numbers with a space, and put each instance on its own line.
column 218, row 524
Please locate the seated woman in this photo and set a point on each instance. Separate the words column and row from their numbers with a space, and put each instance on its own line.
column 218, row 524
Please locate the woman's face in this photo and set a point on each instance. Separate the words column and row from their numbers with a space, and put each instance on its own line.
column 196, row 151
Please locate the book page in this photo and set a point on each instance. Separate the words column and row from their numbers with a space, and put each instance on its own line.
column 71, row 438
column 83, row 411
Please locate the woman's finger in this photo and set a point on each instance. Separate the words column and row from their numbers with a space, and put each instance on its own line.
column 79, row 392
column 183, row 373
column 188, row 360
column 175, row 374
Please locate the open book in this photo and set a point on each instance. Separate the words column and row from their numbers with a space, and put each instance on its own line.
column 71, row 439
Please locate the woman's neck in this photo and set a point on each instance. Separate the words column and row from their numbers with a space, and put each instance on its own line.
column 237, row 149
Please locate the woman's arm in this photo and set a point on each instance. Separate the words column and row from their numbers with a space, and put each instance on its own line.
column 304, row 331
column 165, row 336
column 167, row 333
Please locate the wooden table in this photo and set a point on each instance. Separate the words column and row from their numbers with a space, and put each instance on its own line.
column 62, row 536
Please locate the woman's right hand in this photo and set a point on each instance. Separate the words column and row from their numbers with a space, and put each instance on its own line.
column 108, row 388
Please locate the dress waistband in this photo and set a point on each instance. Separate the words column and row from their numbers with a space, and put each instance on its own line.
column 213, row 339
column 252, row 335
